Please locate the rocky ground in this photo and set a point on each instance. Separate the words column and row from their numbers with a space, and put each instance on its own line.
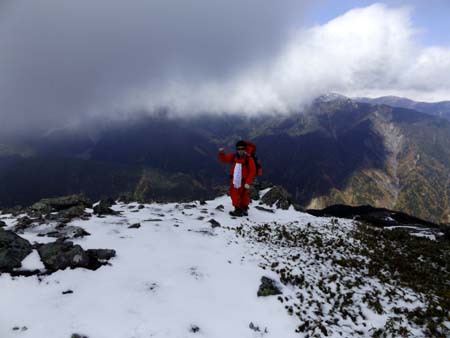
column 70, row 268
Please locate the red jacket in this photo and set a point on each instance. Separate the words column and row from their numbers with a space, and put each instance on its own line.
column 248, row 165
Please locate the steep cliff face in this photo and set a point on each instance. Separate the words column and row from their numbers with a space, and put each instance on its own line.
column 415, row 175
column 425, row 168
column 375, row 185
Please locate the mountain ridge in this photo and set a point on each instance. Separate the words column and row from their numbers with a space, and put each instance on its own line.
column 336, row 151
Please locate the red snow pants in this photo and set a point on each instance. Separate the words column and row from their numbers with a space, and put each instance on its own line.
column 239, row 197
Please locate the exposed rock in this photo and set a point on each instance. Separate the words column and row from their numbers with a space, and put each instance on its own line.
column 268, row 288
column 206, row 232
column 78, row 232
column 256, row 328
column 74, row 212
column 65, row 216
column 67, row 232
column 264, row 209
column 41, row 207
column 280, row 197
column 2, row 224
column 135, row 226
column 253, row 193
column 77, row 335
column 61, row 203
column 262, row 185
column 23, row 223
column 24, row 273
column 54, row 233
column 13, row 249
column 67, row 292
column 15, row 211
column 194, row 329
column 190, row 206
column 103, row 208
column 375, row 216
column 60, row 255
column 141, row 206
column 214, row 223
column 220, row 207
column 101, row 254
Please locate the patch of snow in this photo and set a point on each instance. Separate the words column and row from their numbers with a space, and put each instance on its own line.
column 32, row 262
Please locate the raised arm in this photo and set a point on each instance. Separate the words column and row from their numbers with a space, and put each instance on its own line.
column 225, row 158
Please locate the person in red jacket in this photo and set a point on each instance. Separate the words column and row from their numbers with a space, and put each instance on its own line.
column 242, row 173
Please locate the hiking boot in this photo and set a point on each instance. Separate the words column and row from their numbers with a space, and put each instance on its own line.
column 244, row 212
column 237, row 212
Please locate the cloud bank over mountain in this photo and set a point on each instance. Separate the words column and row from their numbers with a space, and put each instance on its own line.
column 63, row 61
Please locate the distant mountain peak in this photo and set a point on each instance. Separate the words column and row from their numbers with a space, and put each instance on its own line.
column 329, row 97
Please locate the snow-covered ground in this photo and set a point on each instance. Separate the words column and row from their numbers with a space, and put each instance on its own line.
column 177, row 276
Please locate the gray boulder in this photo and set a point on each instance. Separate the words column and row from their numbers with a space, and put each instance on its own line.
column 66, row 232
column 74, row 212
column 61, row 203
column 23, row 223
column 13, row 249
column 67, row 215
column 103, row 208
column 214, row 223
column 101, row 254
column 60, row 255
column 268, row 288
column 280, row 197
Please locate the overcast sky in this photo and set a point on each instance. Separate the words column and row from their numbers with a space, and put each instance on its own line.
column 63, row 61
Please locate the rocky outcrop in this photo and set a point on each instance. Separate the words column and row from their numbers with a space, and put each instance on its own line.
column 101, row 254
column 104, row 207
column 380, row 217
column 65, row 216
column 66, row 232
column 279, row 197
column 214, row 223
column 61, row 203
column 23, row 223
column 60, row 255
column 13, row 249
column 268, row 288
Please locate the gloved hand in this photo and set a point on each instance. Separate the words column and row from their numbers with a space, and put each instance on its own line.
column 221, row 150
column 247, row 186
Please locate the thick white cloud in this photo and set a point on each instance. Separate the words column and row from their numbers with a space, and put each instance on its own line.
column 66, row 60
column 368, row 51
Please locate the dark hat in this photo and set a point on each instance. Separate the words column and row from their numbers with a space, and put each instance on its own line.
column 241, row 143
